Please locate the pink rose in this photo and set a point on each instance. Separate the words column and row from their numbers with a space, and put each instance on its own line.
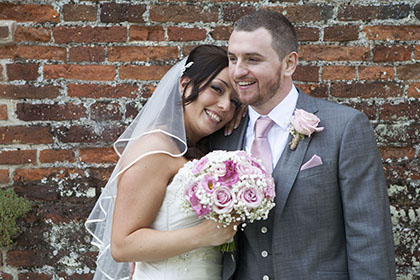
column 199, row 209
column 219, row 170
column 305, row 123
column 231, row 176
column 207, row 183
column 251, row 196
column 246, row 168
column 223, row 200
column 270, row 189
column 199, row 165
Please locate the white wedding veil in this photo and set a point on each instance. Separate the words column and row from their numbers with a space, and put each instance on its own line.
column 163, row 115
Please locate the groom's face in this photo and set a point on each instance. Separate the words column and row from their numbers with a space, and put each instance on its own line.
column 255, row 68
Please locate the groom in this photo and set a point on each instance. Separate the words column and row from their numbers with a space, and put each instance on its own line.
column 332, row 218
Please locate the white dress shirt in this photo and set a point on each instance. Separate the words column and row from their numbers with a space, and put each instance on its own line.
column 278, row 134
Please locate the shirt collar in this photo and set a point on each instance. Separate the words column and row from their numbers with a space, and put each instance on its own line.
column 280, row 114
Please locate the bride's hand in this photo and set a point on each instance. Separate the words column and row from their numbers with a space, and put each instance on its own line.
column 216, row 234
column 236, row 120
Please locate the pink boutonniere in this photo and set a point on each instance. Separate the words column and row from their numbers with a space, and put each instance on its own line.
column 303, row 124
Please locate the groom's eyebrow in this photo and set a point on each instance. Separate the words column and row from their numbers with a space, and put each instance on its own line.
column 248, row 54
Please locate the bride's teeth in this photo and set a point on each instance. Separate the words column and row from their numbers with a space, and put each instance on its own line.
column 245, row 83
column 213, row 116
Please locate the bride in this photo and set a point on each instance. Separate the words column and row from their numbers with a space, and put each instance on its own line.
column 138, row 217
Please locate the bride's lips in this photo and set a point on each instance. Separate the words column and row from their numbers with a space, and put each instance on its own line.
column 213, row 116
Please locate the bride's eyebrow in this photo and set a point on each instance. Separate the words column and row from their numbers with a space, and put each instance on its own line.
column 224, row 82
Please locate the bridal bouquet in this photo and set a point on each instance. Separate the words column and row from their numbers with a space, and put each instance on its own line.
column 228, row 187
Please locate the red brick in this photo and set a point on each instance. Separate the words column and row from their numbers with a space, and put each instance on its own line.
column 369, row 13
column 40, row 52
column 335, row 73
column 22, row 71
column 54, row 112
column 8, row 51
column 316, row 90
column 369, row 109
column 75, row 12
column 306, row 73
column 184, row 13
column 306, row 13
column 4, row 32
column 32, row 34
column 142, row 53
column 131, row 111
column 104, row 111
column 29, row 13
column 17, row 157
column 401, row 111
column 4, row 177
column 52, row 156
column 367, row 90
column 89, row 34
column 233, row 13
column 341, row 33
column 98, row 91
column 3, row 112
column 221, row 32
column 92, row 54
column 307, row 33
column 414, row 90
column 28, row 91
column 146, row 33
column 409, row 72
column 25, row 135
column 34, row 275
column 5, row 276
column 389, row 32
column 24, row 258
column 186, row 50
column 397, row 152
column 34, row 175
column 333, row 53
column 186, row 34
column 116, row 13
column 80, row 72
column 417, row 52
column 98, row 155
column 133, row 72
column 376, row 73
column 399, row 133
column 147, row 90
column 391, row 53
column 354, row 13
column 88, row 134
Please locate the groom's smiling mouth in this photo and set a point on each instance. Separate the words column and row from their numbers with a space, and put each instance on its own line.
column 245, row 84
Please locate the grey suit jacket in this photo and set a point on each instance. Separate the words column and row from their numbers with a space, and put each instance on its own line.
column 331, row 221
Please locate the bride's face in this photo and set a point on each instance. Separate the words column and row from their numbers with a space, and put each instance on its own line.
column 213, row 108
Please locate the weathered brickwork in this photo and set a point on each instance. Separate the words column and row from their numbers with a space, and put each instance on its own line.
column 73, row 74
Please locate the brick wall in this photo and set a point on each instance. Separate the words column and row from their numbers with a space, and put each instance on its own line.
column 72, row 76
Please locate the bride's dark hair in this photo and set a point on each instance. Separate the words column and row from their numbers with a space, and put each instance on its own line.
column 208, row 61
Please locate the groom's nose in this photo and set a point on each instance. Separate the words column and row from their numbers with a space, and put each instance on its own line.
column 240, row 70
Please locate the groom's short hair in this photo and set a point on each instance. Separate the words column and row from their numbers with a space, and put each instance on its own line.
column 282, row 31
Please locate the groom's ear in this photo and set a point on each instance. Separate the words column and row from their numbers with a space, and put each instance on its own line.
column 183, row 82
column 289, row 63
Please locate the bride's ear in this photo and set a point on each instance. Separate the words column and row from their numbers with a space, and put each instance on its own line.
column 183, row 83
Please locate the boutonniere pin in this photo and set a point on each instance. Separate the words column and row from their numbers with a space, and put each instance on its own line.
column 302, row 124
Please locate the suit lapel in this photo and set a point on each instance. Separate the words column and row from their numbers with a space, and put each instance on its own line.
column 288, row 166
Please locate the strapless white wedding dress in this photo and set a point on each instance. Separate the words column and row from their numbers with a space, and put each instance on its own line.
column 199, row 264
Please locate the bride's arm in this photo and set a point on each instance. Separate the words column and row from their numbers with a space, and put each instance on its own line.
column 141, row 190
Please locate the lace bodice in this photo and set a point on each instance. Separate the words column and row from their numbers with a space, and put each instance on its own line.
column 203, row 263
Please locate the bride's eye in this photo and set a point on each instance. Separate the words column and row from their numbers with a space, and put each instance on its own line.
column 217, row 89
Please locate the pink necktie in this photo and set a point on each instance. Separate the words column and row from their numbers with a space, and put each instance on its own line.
column 260, row 147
